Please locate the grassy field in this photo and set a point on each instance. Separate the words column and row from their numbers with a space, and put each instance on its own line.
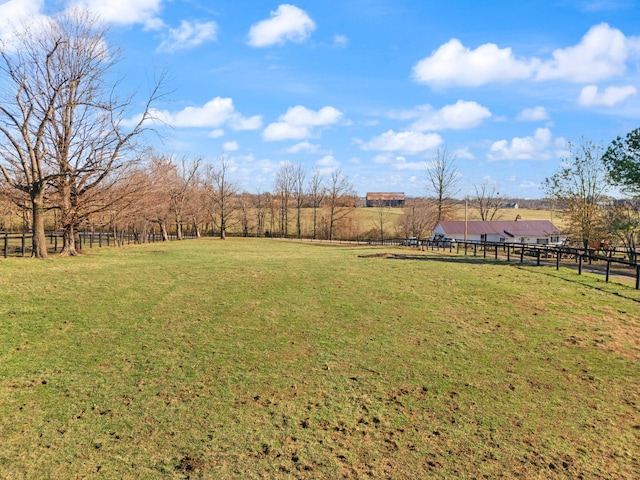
column 274, row 359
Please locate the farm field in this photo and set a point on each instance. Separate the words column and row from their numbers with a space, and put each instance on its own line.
column 258, row 358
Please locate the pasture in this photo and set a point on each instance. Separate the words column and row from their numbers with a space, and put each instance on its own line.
column 252, row 358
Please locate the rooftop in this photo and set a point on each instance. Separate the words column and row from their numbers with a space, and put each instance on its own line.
column 513, row 228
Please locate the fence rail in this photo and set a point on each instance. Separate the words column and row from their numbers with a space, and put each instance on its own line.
column 19, row 244
column 609, row 264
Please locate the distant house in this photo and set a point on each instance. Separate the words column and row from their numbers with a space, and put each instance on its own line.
column 541, row 232
column 387, row 199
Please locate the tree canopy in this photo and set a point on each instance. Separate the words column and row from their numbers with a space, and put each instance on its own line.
column 622, row 160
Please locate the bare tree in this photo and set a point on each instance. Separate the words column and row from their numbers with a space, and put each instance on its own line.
column 488, row 200
column 271, row 205
column 419, row 218
column 161, row 175
column 382, row 218
column 340, row 200
column 181, row 190
column 260, row 212
column 245, row 205
column 223, row 194
column 285, row 184
column 63, row 129
column 623, row 219
column 127, row 202
column 299, row 195
column 443, row 183
column 579, row 187
column 316, row 192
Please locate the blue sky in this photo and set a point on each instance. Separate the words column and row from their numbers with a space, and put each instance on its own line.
column 377, row 87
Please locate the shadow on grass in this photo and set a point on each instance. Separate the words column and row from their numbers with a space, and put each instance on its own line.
column 492, row 261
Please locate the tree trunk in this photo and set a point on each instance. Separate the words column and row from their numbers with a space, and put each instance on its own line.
column 39, row 240
column 165, row 235
column 68, row 241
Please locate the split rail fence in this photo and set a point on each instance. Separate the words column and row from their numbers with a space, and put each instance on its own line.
column 19, row 244
column 609, row 263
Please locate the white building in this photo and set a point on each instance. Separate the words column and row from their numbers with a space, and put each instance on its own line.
column 540, row 232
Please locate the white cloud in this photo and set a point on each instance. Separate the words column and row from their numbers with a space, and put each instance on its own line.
column 536, row 147
column 455, row 64
column 340, row 41
column 189, row 35
column 126, row 12
column 602, row 53
column 303, row 147
column 230, row 146
column 535, row 114
column 18, row 12
column 459, row 116
column 217, row 133
column 611, row 96
column 463, row 153
column 397, row 162
column 401, row 163
column 300, row 115
column 285, row 131
column 288, row 22
column 299, row 122
column 238, row 122
column 404, row 142
column 212, row 114
column 383, row 158
column 328, row 161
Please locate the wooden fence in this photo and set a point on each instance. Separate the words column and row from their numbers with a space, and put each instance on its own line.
column 19, row 244
column 608, row 264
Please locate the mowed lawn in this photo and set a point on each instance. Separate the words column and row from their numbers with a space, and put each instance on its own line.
column 275, row 359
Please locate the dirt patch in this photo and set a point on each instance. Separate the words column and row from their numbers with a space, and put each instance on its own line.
column 381, row 255
column 189, row 464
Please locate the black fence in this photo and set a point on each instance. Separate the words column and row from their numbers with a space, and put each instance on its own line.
column 20, row 244
column 610, row 263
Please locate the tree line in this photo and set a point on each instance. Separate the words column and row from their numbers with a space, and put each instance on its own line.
column 582, row 190
column 72, row 159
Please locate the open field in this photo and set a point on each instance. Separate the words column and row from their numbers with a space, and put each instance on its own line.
column 285, row 359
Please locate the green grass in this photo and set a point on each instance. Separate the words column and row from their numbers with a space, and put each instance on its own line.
column 272, row 359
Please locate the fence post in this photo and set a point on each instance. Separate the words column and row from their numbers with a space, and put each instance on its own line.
column 608, row 269
column 496, row 251
column 538, row 257
column 558, row 254
column 637, row 277
column 6, row 245
column 522, row 254
column 579, row 264
column 23, row 243
column 508, row 253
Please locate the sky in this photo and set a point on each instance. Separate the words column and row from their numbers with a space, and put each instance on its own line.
column 376, row 88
